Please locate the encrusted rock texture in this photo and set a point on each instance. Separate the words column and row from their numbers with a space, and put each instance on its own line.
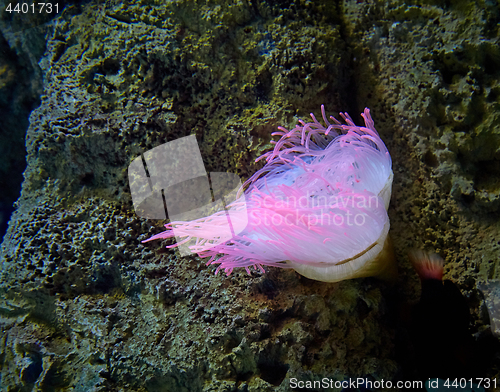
column 87, row 307
column 20, row 89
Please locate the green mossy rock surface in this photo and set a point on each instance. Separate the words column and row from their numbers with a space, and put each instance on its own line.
column 87, row 307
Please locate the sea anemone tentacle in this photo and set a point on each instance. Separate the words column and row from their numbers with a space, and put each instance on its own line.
column 319, row 206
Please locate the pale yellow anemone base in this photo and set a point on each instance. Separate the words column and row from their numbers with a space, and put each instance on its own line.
column 377, row 260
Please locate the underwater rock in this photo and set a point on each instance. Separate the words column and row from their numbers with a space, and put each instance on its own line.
column 120, row 79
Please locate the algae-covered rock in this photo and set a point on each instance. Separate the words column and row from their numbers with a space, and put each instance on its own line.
column 86, row 306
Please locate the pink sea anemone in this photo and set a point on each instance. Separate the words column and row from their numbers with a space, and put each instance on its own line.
column 319, row 206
